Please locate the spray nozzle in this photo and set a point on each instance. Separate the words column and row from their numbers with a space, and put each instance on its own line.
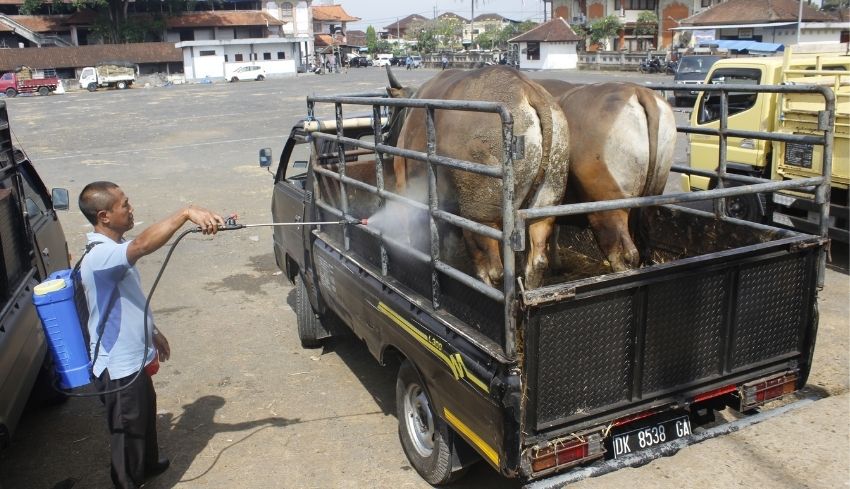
column 231, row 224
column 354, row 220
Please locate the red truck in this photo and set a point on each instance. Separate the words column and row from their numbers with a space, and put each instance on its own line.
column 12, row 84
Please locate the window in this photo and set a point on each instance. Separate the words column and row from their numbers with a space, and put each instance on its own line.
column 317, row 27
column 281, row 55
column 533, row 51
column 286, row 9
column 636, row 4
column 207, row 52
column 237, row 57
column 709, row 107
column 226, row 58
column 255, row 32
column 253, row 56
column 267, row 56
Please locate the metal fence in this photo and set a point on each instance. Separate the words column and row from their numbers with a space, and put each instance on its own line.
column 512, row 235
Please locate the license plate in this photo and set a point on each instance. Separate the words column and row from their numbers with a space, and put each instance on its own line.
column 783, row 200
column 650, row 436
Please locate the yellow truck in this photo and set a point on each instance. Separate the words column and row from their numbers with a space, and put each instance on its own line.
column 789, row 113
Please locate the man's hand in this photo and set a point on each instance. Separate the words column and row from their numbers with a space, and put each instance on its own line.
column 161, row 345
column 207, row 220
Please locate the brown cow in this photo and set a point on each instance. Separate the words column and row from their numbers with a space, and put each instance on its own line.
column 622, row 138
column 539, row 178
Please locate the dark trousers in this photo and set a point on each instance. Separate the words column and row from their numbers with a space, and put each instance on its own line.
column 131, row 417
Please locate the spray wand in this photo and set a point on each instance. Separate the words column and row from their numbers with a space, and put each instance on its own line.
column 230, row 224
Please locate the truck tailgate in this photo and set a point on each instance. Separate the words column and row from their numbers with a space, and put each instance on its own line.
column 636, row 340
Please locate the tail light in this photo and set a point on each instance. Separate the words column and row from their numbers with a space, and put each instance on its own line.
column 565, row 453
column 758, row 392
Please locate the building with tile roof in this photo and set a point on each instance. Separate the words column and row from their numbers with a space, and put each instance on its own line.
column 771, row 21
column 399, row 28
column 549, row 46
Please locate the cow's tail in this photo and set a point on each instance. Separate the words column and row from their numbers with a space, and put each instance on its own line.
column 649, row 101
column 543, row 109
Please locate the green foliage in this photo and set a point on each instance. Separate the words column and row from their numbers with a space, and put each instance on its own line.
column 382, row 46
column 647, row 23
column 371, row 39
column 604, row 28
column 834, row 5
column 30, row 7
column 435, row 35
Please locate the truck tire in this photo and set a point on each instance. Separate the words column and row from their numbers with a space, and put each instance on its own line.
column 260, row 78
column 43, row 91
column 91, row 87
column 11, row 92
column 121, row 85
column 309, row 325
column 425, row 438
column 234, row 80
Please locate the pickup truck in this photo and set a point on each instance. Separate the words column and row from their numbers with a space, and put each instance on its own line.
column 108, row 75
column 33, row 246
column 786, row 113
column 12, row 84
column 602, row 370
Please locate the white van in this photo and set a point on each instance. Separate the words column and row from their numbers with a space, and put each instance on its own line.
column 382, row 59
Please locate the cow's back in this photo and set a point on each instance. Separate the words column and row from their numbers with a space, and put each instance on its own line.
column 477, row 136
column 627, row 127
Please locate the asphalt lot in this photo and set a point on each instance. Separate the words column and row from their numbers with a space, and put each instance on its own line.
column 240, row 403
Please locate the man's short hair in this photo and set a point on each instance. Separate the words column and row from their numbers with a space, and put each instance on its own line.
column 96, row 197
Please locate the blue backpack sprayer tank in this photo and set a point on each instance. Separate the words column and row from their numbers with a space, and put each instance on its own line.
column 67, row 337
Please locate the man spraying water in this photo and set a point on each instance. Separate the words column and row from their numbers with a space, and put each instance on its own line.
column 116, row 306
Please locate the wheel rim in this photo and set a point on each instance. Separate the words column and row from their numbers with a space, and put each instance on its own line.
column 418, row 420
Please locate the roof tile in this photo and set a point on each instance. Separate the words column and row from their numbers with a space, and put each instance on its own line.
column 556, row 30
column 327, row 13
column 756, row 11
column 79, row 56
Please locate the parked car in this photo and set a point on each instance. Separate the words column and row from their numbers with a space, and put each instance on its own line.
column 360, row 61
column 417, row 61
column 691, row 70
column 252, row 72
column 382, row 60
column 396, row 61
column 33, row 246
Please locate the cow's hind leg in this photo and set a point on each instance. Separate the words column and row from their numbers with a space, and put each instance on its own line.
column 485, row 257
column 611, row 229
column 538, row 255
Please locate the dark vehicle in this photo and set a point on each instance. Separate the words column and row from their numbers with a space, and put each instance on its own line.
column 360, row 62
column 397, row 61
column 33, row 246
column 584, row 370
column 650, row 65
column 691, row 71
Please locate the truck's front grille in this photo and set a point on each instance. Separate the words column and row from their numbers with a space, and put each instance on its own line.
column 600, row 353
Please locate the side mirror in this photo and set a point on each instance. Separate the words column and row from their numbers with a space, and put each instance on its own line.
column 265, row 157
column 60, row 199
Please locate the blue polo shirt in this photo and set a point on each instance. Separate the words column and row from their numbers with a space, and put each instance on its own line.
column 104, row 268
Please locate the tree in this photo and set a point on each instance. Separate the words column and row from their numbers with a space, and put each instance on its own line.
column 371, row 39
column 604, row 29
column 647, row 24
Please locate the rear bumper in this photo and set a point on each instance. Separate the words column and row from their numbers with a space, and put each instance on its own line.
column 637, row 459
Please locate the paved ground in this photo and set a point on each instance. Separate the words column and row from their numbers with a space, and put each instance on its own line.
column 240, row 403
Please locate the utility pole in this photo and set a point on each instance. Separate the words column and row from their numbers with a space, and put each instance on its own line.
column 397, row 30
column 472, row 24
column 799, row 21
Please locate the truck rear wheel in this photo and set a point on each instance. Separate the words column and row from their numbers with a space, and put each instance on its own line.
column 425, row 437
column 309, row 325
column 91, row 87
column 121, row 85
column 43, row 91
column 11, row 92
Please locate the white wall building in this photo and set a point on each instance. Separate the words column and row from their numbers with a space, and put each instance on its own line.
column 216, row 43
column 549, row 46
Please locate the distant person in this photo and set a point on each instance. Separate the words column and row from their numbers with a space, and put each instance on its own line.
column 332, row 64
column 408, row 62
column 445, row 61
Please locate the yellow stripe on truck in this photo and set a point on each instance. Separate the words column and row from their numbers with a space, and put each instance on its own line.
column 454, row 361
column 460, row 427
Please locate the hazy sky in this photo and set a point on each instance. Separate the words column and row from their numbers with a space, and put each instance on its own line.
column 380, row 13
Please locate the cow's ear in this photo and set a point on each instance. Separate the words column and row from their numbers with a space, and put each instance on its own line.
column 395, row 92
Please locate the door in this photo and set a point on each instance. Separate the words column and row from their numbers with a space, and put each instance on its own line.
column 288, row 200
column 51, row 249
column 747, row 111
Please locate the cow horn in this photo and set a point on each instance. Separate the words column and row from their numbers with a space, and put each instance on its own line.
column 394, row 83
